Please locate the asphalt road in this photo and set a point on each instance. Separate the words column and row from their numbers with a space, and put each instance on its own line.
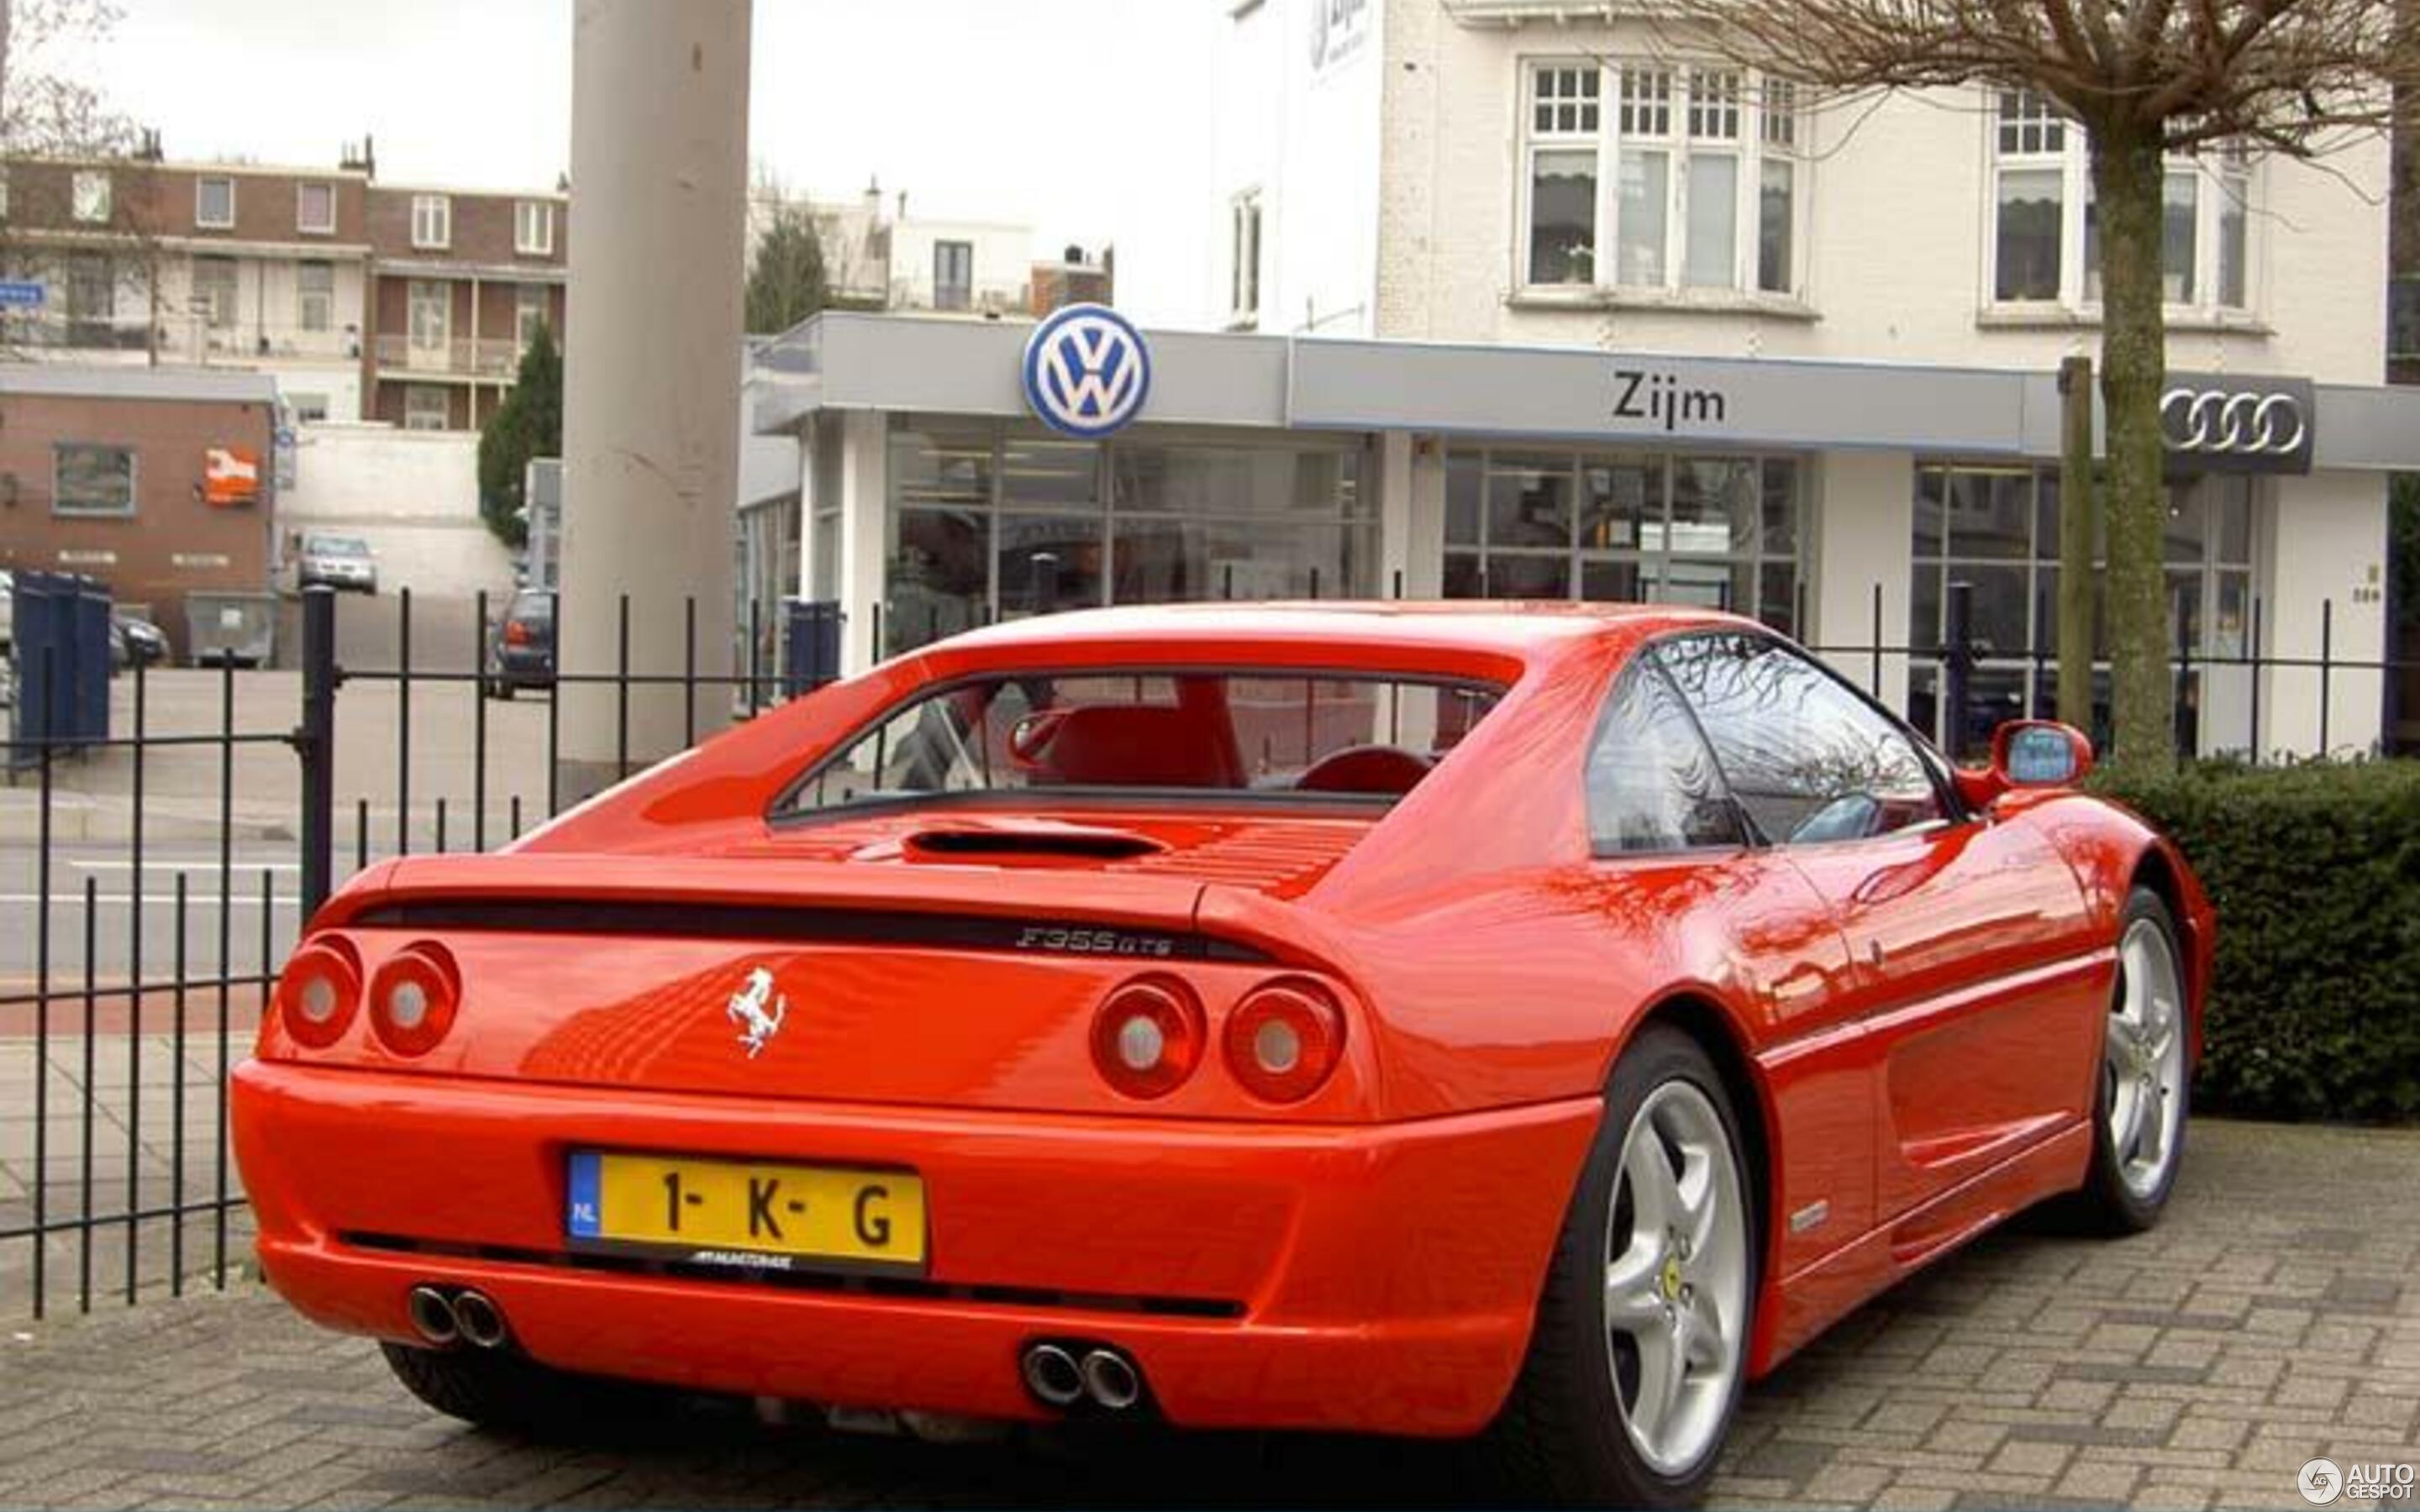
column 123, row 913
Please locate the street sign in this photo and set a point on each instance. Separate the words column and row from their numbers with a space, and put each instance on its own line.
column 20, row 294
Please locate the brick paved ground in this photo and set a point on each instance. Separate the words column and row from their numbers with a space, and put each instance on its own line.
column 2274, row 1317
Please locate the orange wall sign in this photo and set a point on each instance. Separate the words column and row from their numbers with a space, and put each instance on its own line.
column 230, row 476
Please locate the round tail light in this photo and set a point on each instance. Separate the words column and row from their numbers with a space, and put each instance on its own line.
column 413, row 997
column 318, row 992
column 1147, row 1036
column 1285, row 1040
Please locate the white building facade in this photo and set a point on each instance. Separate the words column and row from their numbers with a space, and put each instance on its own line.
column 1519, row 300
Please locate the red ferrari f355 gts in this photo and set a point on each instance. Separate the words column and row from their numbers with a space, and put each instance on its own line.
column 1523, row 1021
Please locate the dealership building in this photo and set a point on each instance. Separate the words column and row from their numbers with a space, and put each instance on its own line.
column 1513, row 301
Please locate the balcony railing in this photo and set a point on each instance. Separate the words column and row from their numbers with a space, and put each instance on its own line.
column 497, row 357
column 183, row 339
column 197, row 340
column 49, row 330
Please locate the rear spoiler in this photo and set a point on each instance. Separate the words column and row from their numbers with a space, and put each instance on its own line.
column 1086, row 913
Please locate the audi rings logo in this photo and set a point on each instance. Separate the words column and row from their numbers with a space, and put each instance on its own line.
column 2216, row 422
column 1087, row 371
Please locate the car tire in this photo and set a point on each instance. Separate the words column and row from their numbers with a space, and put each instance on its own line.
column 2142, row 1083
column 499, row 1389
column 1582, row 1426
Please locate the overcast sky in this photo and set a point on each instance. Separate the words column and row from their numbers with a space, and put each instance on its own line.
column 1088, row 119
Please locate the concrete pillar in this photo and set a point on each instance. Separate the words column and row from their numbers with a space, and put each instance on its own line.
column 1425, row 527
column 1411, row 515
column 651, row 403
column 2325, row 543
column 864, row 534
column 812, row 498
column 1394, row 496
column 1860, row 532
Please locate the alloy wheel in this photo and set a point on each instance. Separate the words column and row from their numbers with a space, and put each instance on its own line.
column 2143, row 1060
column 1676, row 1278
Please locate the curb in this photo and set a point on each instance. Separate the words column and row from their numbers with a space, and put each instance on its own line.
column 77, row 818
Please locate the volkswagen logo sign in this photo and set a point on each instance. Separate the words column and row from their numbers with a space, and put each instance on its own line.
column 1087, row 371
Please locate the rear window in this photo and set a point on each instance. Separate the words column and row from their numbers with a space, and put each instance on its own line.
column 532, row 605
column 337, row 545
column 1239, row 734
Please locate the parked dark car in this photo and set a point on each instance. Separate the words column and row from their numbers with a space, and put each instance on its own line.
column 133, row 641
column 521, row 647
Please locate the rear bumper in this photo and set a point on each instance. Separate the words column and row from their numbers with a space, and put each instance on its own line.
column 1376, row 1278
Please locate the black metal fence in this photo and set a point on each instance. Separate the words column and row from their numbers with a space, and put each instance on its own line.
column 91, row 1045
column 122, row 1011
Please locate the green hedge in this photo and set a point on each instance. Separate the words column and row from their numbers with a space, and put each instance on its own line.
column 2314, row 871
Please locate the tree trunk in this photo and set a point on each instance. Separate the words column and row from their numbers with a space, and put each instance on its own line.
column 2127, row 171
column 2077, row 514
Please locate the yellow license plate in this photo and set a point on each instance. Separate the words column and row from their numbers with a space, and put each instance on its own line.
column 746, row 1214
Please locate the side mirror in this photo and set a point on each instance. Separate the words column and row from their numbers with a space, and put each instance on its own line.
column 2039, row 754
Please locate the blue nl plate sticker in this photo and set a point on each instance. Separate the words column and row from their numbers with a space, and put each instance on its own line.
column 584, row 1216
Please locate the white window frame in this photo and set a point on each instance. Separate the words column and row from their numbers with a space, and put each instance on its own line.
column 428, row 321
column 2223, row 175
column 302, row 222
column 941, row 248
column 303, row 298
column 88, row 195
column 216, row 315
column 201, row 188
column 418, row 415
column 534, row 216
column 432, row 221
column 524, row 307
column 1244, row 244
column 1674, row 110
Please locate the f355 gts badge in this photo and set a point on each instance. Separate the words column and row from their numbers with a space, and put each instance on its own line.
column 758, row 1009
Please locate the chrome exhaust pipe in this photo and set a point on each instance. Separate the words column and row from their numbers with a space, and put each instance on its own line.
column 432, row 1315
column 1110, row 1379
column 481, row 1320
column 1053, row 1375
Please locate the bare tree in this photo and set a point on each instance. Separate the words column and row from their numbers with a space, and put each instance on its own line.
column 2145, row 79
column 84, row 191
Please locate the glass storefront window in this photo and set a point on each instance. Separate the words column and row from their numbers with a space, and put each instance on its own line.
column 1996, row 529
column 1048, row 562
column 941, row 564
column 930, row 467
column 1041, row 474
column 1529, row 502
column 1720, row 531
column 1619, row 501
column 992, row 522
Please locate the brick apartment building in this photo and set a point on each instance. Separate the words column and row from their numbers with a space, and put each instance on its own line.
column 149, row 263
column 360, row 300
column 459, row 282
